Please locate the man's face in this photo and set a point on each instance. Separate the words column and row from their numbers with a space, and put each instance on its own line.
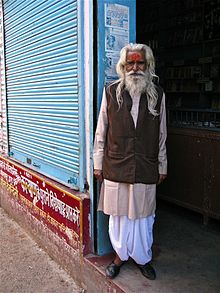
column 135, row 61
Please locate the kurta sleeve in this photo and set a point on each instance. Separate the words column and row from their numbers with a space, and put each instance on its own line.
column 162, row 157
column 100, row 134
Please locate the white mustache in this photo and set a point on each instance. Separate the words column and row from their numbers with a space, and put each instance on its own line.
column 137, row 73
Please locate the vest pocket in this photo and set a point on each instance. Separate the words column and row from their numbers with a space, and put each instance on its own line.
column 115, row 155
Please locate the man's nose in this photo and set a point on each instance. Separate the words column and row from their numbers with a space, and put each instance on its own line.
column 135, row 67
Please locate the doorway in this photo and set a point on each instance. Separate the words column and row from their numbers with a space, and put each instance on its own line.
column 185, row 39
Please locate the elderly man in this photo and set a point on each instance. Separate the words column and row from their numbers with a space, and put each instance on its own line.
column 130, row 157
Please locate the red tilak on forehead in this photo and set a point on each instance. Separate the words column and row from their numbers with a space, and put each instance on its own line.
column 135, row 56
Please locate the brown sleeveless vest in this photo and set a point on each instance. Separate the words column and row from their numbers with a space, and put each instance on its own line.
column 131, row 154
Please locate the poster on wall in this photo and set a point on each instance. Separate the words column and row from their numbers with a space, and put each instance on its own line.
column 116, row 36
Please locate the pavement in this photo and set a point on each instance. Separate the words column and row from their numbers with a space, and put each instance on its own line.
column 25, row 267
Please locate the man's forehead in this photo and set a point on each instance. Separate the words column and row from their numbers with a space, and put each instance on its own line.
column 135, row 55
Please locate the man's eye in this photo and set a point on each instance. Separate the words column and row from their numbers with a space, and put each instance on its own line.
column 141, row 63
column 130, row 63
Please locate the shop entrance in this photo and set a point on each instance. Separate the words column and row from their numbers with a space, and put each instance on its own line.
column 185, row 38
column 182, row 68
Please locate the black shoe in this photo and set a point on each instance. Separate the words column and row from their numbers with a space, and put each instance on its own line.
column 112, row 270
column 148, row 271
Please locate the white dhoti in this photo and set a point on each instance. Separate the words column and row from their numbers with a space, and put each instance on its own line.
column 132, row 238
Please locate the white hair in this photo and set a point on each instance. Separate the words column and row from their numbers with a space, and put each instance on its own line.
column 150, row 89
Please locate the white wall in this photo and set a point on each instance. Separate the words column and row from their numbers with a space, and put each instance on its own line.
column 88, row 81
column 3, row 113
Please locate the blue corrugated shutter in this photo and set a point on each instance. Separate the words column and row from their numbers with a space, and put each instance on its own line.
column 41, row 51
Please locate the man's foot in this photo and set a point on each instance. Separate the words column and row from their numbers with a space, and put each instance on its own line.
column 112, row 270
column 148, row 271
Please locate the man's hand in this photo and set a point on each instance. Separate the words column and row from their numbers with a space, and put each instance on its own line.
column 98, row 175
column 161, row 178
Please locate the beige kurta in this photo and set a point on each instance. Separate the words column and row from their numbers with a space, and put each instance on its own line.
column 122, row 199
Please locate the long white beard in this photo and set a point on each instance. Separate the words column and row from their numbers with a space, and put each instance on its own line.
column 135, row 83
